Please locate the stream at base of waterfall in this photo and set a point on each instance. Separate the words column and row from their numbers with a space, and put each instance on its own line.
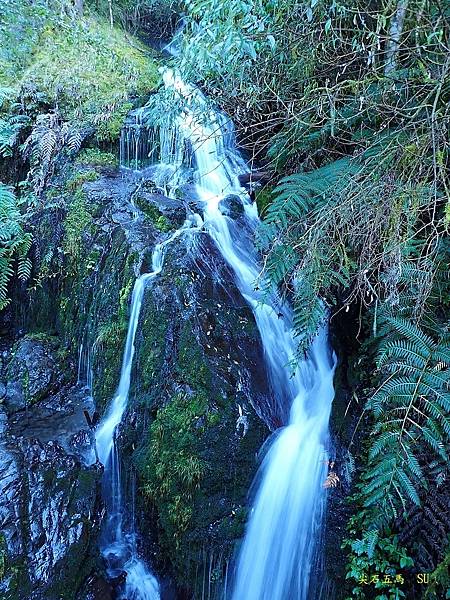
column 277, row 555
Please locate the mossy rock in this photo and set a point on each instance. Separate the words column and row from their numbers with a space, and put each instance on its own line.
column 195, row 348
column 80, row 177
column 165, row 213
column 97, row 158
column 92, row 71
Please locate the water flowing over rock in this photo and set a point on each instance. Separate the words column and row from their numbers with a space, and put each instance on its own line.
column 231, row 206
column 119, row 545
column 167, row 271
column 271, row 565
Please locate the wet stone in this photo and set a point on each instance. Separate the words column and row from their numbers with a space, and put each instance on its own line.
column 231, row 206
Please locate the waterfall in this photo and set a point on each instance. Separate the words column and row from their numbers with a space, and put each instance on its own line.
column 277, row 555
column 137, row 142
column 119, row 547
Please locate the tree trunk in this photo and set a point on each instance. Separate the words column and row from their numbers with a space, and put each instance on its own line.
column 395, row 33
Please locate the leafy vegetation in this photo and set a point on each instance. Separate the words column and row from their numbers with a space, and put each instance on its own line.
column 89, row 71
column 97, row 157
column 410, row 410
column 15, row 243
column 345, row 105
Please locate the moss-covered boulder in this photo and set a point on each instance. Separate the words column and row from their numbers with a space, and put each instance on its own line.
column 192, row 431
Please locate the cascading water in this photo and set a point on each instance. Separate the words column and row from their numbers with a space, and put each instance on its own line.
column 119, row 547
column 277, row 554
column 137, row 142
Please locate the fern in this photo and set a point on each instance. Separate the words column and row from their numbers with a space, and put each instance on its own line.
column 48, row 138
column 15, row 243
column 299, row 193
column 313, row 267
column 411, row 410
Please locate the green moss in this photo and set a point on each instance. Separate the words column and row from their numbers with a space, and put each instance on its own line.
column 43, row 336
column 191, row 365
column 20, row 27
column 172, row 468
column 77, row 225
column 152, row 346
column 196, row 473
column 97, row 157
column 439, row 586
column 77, row 180
column 110, row 341
column 263, row 199
column 154, row 214
column 194, row 470
column 90, row 71
column 124, row 300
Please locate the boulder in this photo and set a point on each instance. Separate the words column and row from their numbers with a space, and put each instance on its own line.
column 31, row 372
column 49, row 496
column 253, row 177
column 174, row 210
column 231, row 206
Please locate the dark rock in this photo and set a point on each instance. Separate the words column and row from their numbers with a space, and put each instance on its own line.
column 99, row 589
column 31, row 372
column 121, row 217
column 231, row 206
column 46, row 497
column 49, row 496
column 15, row 397
column 247, row 179
column 174, row 210
column 107, row 171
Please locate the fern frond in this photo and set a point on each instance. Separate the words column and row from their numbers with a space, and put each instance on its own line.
column 297, row 194
column 411, row 408
column 15, row 243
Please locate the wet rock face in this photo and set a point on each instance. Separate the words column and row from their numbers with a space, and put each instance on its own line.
column 232, row 207
column 196, row 412
column 48, row 497
column 193, row 430
column 31, row 373
column 173, row 210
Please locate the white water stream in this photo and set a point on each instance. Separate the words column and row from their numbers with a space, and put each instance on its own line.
column 119, row 547
column 277, row 555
